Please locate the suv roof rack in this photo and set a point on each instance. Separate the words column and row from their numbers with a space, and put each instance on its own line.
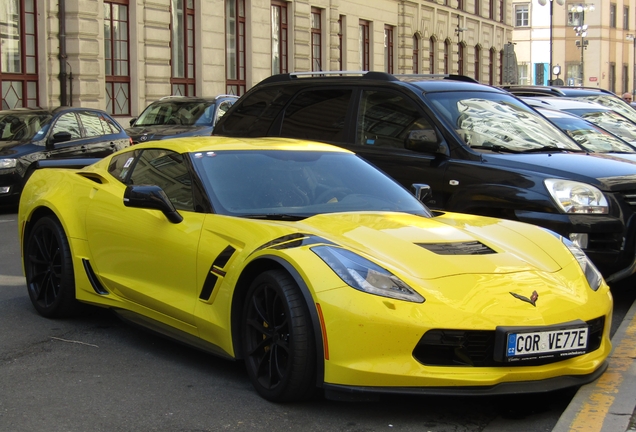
column 381, row 76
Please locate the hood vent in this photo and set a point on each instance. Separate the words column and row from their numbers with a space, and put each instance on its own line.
column 464, row 248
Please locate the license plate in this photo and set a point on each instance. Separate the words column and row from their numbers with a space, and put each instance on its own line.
column 563, row 342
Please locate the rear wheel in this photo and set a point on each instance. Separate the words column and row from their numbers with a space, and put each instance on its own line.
column 278, row 340
column 49, row 270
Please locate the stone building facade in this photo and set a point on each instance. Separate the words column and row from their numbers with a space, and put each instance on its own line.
column 120, row 55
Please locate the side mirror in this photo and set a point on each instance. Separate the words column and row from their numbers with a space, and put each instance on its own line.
column 61, row 137
column 132, row 121
column 422, row 192
column 152, row 198
column 425, row 141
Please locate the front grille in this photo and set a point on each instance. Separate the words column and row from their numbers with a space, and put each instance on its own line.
column 629, row 197
column 476, row 348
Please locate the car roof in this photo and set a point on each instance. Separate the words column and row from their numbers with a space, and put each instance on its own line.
column 557, row 91
column 179, row 99
column 219, row 143
column 425, row 82
column 562, row 103
column 49, row 110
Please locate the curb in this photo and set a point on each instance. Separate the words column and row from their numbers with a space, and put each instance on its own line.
column 607, row 404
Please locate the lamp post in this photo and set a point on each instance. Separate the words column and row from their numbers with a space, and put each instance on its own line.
column 632, row 38
column 581, row 31
column 543, row 3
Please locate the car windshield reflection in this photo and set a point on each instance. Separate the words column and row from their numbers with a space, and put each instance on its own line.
column 500, row 123
column 289, row 185
column 178, row 113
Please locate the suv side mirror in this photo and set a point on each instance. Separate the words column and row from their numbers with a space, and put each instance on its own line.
column 152, row 198
column 61, row 137
column 133, row 120
column 425, row 141
column 422, row 192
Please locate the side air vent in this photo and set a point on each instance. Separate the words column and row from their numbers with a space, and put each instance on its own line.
column 630, row 197
column 92, row 278
column 465, row 248
column 95, row 178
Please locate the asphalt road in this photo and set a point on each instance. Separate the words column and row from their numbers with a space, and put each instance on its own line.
column 97, row 373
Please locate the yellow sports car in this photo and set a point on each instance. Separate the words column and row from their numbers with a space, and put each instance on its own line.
column 315, row 269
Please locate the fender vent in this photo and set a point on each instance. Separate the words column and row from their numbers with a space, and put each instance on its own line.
column 465, row 248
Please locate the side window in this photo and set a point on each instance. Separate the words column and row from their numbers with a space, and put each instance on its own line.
column 109, row 125
column 67, row 123
column 120, row 165
column 255, row 114
column 386, row 118
column 317, row 115
column 92, row 125
column 167, row 170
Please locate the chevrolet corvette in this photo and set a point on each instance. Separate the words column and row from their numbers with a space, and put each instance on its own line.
column 313, row 268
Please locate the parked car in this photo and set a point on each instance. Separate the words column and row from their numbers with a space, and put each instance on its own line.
column 31, row 134
column 589, row 136
column 179, row 116
column 590, row 94
column 315, row 269
column 482, row 150
column 593, row 112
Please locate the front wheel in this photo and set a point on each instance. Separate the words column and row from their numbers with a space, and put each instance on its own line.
column 278, row 339
column 48, row 267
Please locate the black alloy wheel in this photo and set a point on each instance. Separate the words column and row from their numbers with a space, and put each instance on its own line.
column 278, row 339
column 49, row 270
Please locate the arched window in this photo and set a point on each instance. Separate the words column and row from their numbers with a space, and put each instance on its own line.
column 477, row 62
column 491, row 67
column 416, row 55
column 446, row 56
column 431, row 55
column 460, row 58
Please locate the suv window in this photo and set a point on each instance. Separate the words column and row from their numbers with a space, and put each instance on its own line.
column 318, row 115
column 386, row 118
column 255, row 116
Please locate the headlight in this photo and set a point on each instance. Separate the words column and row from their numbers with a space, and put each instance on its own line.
column 576, row 197
column 7, row 163
column 593, row 276
column 363, row 275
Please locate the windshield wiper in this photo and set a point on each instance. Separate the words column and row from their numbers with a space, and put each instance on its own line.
column 495, row 148
column 548, row 149
column 276, row 216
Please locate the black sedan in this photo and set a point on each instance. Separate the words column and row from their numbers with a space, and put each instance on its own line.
column 30, row 134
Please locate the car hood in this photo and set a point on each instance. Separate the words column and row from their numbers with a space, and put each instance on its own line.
column 160, row 132
column 607, row 172
column 447, row 245
column 17, row 148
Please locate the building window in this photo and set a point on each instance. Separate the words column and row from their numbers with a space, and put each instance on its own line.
column 279, row 37
column 491, row 9
column 540, row 73
column 235, row 47
column 116, row 55
column 365, row 44
column 573, row 74
column 460, row 58
column 388, row 49
column 182, row 43
column 316, row 40
column 501, row 61
column 431, row 56
column 522, row 70
column 477, row 62
column 340, row 39
column 626, row 17
column 477, row 7
column 576, row 18
column 613, row 15
column 612, row 77
column 625, row 79
column 491, row 67
column 446, row 56
column 502, row 10
column 522, row 15
column 18, row 54
column 460, row 5
column 416, row 55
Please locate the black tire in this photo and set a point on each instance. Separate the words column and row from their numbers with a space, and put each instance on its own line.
column 278, row 339
column 49, row 270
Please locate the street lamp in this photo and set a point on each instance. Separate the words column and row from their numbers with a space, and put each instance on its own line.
column 543, row 3
column 581, row 31
column 632, row 37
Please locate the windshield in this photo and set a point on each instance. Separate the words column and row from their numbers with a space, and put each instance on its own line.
column 591, row 137
column 22, row 126
column 615, row 103
column 610, row 121
column 282, row 184
column 191, row 113
column 499, row 122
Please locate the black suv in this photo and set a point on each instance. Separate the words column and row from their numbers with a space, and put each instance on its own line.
column 481, row 149
column 179, row 116
column 30, row 134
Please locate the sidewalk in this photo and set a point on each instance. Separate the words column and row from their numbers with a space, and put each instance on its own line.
column 607, row 404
